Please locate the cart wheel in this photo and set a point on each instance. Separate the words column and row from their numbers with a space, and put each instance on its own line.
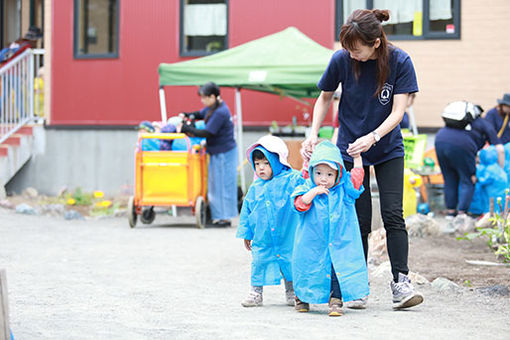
column 200, row 212
column 148, row 215
column 131, row 210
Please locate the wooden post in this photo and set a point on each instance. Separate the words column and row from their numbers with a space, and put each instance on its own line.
column 4, row 310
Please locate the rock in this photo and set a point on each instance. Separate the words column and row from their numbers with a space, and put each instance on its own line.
column 377, row 243
column 6, row 204
column 464, row 224
column 383, row 270
column 53, row 209
column 24, row 208
column 120, row 213
column 418, row 279
column 444, row 285
column 422, row 225
column 30, row 192
column 73, row 215
column 497, row 290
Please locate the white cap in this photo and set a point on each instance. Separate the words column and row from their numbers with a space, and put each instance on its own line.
column 332, row 165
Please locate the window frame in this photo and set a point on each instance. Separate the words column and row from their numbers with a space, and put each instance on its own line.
column 184, row 53
column 76, row 29
column 427, row 34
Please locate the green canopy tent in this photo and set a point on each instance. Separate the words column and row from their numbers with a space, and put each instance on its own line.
column 287, row 63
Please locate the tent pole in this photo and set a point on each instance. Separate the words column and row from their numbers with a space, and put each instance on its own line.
column 240, row 146
column 412, row 121
column 162, row 104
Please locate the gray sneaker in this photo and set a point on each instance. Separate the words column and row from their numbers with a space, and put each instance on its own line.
column 290, row 297
column 357, row 304
column 254, row 299
column 404, row 295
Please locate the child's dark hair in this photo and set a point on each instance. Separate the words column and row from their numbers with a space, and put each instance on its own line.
column 258, row 155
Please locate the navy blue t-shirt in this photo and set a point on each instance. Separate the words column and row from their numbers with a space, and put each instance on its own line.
column 404, row 123
column 360, row 111
column 495, row 119
column 220, row 125
column 469, row 140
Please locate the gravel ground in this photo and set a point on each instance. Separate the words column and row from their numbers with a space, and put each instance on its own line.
column 99, row 279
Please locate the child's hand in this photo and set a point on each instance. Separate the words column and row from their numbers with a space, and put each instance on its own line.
column 247, row 244
column 319, row 190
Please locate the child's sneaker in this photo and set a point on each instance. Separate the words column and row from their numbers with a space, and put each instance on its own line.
column 254, row 299
column 335, row 307
column 358, row 303
column 404, row 295
column 290, row 297
column 301, row 306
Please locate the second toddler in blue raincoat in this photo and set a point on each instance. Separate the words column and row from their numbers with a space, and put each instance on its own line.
column 329, row 262
column 268, row 222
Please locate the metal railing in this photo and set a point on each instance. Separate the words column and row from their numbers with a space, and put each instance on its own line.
column 20, row 92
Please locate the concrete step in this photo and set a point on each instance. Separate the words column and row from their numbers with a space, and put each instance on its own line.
column 14, row 153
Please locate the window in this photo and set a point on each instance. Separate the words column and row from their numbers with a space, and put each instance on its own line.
column 96, row 28
column 409, row 19
column 204, row 27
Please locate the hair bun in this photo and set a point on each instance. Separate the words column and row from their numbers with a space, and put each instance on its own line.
column 381, row 14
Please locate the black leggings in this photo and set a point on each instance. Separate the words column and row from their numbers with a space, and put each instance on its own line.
column 390, row 181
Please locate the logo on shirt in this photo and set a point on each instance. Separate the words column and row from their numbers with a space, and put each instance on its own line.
column 385, row 94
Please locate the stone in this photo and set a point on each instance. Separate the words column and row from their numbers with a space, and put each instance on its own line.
column 419, row 225
column 53, row 209
column 73, row 215
column 496, row 290
column 418, row 279
column 377, row 243
column 383, row 270
column 7, row 204
column 30, row 192
column 444, row 285
column 26, row 209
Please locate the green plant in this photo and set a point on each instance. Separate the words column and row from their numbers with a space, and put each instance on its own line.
column 467, row 283
column 498, row 235
column 82, row 198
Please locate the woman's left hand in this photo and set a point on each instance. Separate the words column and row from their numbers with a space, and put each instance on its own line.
column 360, row 145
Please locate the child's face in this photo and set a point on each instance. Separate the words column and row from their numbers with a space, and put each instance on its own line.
column 324, row 176
column 263, row 169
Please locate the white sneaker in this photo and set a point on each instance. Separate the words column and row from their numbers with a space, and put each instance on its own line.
column 254, row 299
column 404, row 295
column 357, row 304
column 290, row 296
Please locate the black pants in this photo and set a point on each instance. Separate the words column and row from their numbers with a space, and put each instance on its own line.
column 390, row 180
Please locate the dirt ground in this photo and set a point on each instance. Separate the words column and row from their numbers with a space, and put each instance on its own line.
column 99, row 279
column 445, row 256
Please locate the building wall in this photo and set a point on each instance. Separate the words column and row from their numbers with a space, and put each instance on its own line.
column 475, row 68
column 125, row 90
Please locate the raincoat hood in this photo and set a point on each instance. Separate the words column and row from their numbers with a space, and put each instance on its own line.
column 271, row 144
column 272, row 157
column 327, row 152
column 489, row 155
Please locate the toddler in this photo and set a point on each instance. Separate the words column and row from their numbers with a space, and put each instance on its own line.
column 268, row 221
column 328, row 263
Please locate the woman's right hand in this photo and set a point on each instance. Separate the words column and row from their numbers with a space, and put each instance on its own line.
column 307, row 147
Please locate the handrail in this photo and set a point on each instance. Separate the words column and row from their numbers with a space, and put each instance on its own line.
column 19, row 104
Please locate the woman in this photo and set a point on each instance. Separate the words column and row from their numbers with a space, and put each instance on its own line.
column 456, row 151
column 498, row 118
column 376, row 80
column 222, row 148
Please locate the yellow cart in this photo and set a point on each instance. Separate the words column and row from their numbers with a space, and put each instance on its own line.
column 169, row 178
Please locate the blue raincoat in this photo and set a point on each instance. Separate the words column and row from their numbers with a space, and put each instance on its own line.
column 268, row 218
column 491, row 176
column 480, row 202
column 507, row 160
column 328, row 233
